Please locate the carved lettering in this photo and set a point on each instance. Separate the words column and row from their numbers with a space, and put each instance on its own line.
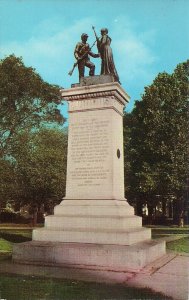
column 89, row 151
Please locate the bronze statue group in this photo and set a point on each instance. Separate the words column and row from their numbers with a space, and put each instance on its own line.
column 83, row 52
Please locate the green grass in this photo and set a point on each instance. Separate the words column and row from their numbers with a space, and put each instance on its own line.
column 5, row 250
column 160, row 232
column 5, row 246
column 31, row 288
column 181, row 245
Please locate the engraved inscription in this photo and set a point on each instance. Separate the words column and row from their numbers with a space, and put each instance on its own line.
column 89, row 151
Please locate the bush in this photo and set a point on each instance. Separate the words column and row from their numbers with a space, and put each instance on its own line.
column 7, row 216
column 159, row 220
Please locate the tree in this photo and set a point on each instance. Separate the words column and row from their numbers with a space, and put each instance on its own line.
column 158, row 147
column 38, row 168
column 7, row 182
column 26, row 101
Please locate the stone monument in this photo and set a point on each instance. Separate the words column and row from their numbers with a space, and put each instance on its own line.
column 93, row 227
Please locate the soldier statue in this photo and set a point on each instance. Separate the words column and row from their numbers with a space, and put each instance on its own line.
column 82, row 53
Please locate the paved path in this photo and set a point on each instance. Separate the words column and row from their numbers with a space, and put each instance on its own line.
column 168, row 275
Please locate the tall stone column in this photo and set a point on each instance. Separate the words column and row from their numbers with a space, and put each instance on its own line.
column 95, row 168
column 94, row 225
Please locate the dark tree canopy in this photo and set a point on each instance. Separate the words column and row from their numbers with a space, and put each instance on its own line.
column 157, row 141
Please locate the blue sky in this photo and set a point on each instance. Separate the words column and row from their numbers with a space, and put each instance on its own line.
column 148, row 37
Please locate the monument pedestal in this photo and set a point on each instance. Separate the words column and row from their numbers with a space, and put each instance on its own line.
column 93, row 227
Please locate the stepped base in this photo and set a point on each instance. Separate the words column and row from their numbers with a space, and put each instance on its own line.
column 89, row 256
column 95, row 207
column 92, row 235
column 94, row 222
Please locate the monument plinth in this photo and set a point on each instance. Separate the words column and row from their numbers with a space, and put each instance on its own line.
column 95, row 146
column 94, row 226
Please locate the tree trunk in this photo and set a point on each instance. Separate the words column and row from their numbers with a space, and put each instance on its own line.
column 139, row 208
column 150, row 213
column 34, row 215
column 164, row 207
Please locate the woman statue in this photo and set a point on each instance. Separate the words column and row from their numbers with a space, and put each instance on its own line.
column 107, row 65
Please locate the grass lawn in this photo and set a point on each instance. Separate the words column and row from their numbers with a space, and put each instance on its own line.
column 169, row 230
column 5, row 246
column 31, row 288
column 181, row 245
column 160, row 231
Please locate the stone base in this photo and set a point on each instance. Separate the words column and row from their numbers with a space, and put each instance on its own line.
column 89, row 256
column 91, row 234
column 93, row 80
column 109, row 222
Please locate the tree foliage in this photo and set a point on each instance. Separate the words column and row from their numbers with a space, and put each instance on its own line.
column 7, row 181
column 26, row 101
column 38, row 171
column 157, row 141
column 32, row 148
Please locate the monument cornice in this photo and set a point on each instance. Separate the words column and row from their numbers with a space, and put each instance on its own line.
column 112, row 89
column 93, row 109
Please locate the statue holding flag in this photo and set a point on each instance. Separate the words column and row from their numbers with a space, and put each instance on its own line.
column 83, row 52
column 105, row 51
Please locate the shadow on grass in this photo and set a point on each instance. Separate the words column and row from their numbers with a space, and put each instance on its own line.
column 14, row 238
column 34, row 288
column 169, row 230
